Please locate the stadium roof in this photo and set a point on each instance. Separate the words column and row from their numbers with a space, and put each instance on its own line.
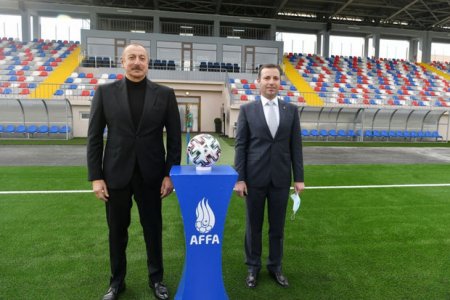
column 431, row 15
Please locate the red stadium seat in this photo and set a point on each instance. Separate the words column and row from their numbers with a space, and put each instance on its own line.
column 24, row 92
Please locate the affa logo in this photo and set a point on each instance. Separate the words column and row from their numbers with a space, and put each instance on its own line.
column 205, row 217
column 204, row 223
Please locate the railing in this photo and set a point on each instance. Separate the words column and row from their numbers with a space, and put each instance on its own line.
column 128, row 24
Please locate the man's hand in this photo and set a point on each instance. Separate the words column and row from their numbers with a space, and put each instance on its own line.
column 100, row 190
column 240, row 188
column 166, row 187
column 299, row 187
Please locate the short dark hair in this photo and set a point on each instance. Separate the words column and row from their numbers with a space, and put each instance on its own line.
column 136, row 45
column 269, row 66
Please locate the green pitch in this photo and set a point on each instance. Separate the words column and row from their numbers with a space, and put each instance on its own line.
column 344, row 243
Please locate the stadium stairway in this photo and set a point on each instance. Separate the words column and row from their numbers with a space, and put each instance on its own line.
column 435, row 70
column 301, row 84
column 47, row 88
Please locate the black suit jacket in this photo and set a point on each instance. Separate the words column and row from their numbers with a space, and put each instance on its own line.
column 125, row 144
column 261, row 159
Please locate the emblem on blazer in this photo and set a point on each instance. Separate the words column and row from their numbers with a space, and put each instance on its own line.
column 204, row 223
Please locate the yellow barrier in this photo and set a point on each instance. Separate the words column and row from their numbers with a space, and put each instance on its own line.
column 302, row 85
column 434, row 70
column 47, row 88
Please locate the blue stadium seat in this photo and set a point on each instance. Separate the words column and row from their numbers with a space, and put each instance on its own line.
column 392, row 133
column 376, row 133
column 21, row 129
column 64, row 129
column 436, row 134
column 53, row 129
column 351, row 133
column 323, row 133
column 32, row 129
column 332, row 132
column 43, row 129
column 305, row 132
column 10, row 128
column 171, row 65
column 341, row 133
column 314, row 132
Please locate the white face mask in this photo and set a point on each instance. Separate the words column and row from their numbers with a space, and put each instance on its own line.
column 296, row 198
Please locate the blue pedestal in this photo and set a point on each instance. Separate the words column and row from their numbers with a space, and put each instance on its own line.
column 204, row 199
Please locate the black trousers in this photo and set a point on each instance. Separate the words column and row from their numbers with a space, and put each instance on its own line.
column 277, row 199
column 118, row 209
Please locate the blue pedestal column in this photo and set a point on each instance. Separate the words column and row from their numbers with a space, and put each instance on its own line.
column 204, row 199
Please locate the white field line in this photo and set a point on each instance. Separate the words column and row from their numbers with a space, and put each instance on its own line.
column 308, row 188
column 382, row 186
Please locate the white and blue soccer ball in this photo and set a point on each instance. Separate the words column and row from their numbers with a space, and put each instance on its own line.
column 203, row 150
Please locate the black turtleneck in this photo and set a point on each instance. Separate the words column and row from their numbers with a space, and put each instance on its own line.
column 136, row 99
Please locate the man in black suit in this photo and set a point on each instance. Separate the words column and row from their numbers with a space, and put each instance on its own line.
column 134, row 162
column 268, row 150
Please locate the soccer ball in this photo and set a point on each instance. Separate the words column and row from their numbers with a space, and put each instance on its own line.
column 203, row 150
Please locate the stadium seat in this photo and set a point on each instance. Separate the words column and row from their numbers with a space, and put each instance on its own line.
column 53, row 129
column 314, row 132
column 341, row 133
column 10, row 128
column 323, row 133
column 32, row 129
column 305, row 132
column 332, row 133
column 43, row 129
column 64, row 129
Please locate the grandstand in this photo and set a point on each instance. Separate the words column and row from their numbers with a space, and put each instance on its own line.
column 211, row 61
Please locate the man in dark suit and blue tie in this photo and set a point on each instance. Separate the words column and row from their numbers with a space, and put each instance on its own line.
column 134, row 162
column 268, row 152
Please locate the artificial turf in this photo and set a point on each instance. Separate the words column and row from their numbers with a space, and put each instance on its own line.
column 379, row 243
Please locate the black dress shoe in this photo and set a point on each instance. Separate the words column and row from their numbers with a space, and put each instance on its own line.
column 160, row 290
column 113, row 292
column 251, row 280
column 280, row 278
